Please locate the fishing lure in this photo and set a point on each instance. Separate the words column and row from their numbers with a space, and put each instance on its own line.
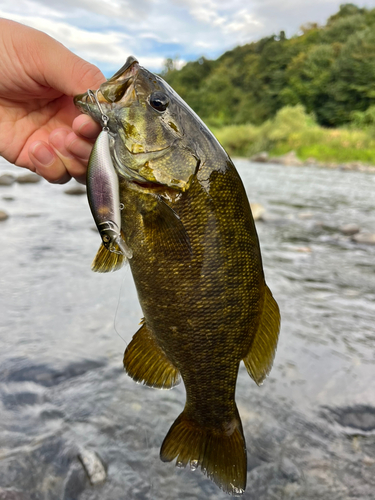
column 104, row 201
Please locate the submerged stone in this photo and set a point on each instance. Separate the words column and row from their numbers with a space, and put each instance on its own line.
column 3, row 215
column 93, row 465
column 365, row 238
column 28, row 178
column 7, row 179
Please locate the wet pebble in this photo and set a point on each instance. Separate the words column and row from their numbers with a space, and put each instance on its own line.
column 349, row 229
column 365, row 238
column 28, row 178
column 75, row 190
column 93, row 465
column 289, row 470
column 257, row 210
column 3, row 215
column 7, row 179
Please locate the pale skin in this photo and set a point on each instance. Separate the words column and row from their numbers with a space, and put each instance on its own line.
column 40, row 128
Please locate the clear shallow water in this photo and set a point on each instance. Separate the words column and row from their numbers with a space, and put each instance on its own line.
column 310, row 429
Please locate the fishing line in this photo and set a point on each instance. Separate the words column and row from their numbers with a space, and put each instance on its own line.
column 117, row 308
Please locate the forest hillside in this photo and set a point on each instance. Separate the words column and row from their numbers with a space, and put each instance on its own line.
column 324, row 76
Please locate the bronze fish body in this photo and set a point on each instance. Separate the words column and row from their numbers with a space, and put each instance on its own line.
column 196, row 265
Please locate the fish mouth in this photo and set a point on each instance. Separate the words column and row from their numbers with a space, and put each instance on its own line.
column 115, row 89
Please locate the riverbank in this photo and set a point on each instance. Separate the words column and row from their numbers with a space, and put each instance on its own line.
column 291, row 160
column 293, row 130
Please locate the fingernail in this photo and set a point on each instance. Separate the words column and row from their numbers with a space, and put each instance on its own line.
column 42, row 154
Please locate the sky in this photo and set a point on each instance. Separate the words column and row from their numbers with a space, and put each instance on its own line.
column 106, row 32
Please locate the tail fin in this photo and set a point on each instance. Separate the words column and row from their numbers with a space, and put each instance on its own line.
column 220, row 453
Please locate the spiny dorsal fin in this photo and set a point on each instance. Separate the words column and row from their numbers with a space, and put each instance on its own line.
column 259, row 360
column 219, row 452
column 106, row 261
column 146, row 362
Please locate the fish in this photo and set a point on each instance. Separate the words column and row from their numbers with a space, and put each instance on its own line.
column 196, row 265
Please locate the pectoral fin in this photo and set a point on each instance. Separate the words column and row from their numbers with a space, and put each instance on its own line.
column 259, row 360
column 146, row 362
column 167, row 230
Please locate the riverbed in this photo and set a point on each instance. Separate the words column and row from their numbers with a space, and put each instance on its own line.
column 310, row 429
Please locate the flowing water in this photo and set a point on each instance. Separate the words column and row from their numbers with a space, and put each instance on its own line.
column 310, row 429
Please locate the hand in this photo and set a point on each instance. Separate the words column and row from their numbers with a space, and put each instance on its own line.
column 40, row 128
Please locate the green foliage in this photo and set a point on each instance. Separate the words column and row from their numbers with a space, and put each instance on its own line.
column 329, row 70
column 292, row 129
column 363, row 119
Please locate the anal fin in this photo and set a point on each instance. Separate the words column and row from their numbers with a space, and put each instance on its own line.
column 146, row 362
column 260, row 358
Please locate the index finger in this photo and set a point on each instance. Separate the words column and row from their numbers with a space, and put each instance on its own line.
column 84, row 126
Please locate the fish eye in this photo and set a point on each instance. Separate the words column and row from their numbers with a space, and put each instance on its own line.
column 159, row 101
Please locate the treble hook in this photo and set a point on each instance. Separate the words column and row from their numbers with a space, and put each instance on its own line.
column 94, row 99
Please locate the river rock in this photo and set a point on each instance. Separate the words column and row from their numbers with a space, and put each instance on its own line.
column 257, row 210
column 3, row 215
column 289, row 159
column 13, row 495
column 262, row 157
column 365, row 238
column 311, row 162
column 93, row 466
column 76, row 190
column 28, row 178
column 7, row 179
column 349, row 229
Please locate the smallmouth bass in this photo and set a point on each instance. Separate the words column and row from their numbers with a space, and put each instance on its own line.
column 196, row 264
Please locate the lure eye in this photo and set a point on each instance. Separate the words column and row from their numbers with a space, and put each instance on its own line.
column 159, row 101
column 106, row 239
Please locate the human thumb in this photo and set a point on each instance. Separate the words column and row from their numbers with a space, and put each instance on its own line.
column 51, row 64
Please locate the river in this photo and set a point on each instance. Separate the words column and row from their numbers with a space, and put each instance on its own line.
column 310, row 429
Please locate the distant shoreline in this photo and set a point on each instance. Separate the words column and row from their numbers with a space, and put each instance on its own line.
column 291, row 160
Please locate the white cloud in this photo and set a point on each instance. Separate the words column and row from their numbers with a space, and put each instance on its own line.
column 106, row 31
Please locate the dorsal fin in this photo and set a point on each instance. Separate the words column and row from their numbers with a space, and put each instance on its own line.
column 259, row 359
